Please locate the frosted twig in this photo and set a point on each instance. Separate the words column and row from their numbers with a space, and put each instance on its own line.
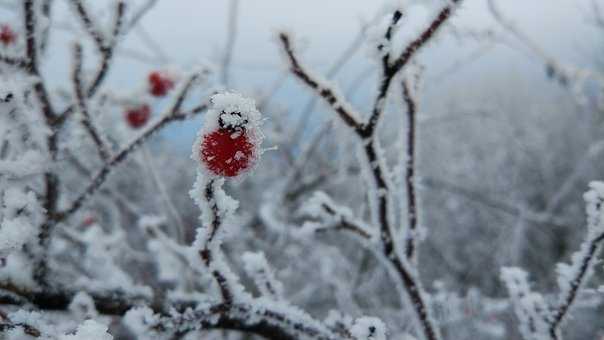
column 173, row 113
column 82, row 105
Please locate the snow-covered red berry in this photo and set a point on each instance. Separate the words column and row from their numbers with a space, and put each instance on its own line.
column 138, row 116
column 160, row 83
column 7, row 35
column 229, row 142
column 226, row 152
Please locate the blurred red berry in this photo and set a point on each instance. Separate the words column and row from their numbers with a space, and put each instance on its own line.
column 138, row 116
column 7, row 35
column 88, row 221
column 159, row 84
column 227, row 152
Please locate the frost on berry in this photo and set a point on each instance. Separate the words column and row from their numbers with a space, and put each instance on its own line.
column 7, row 35
column 160, row 83
column 229, row 142
column 137, row 116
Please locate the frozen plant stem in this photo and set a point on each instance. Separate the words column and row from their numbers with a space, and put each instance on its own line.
column 410, row 169
column 366, row 131
column 206, row 253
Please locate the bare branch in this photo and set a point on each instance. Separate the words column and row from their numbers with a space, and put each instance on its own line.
column 83, row 107
column 206, row 253
column 410, row 170
column 17, row 62
column 366, row 132
column 172, row 114
column 105, row 46
column 587, row 261
column 336, row 102
column 391, row 69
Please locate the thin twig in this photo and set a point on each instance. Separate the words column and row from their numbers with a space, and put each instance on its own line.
column 172, row 114
column 83, row 107
column 410, row 170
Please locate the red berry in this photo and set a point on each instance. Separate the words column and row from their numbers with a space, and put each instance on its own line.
column 227, row 152
column 7, row 35
column 159, row 84
column 88, row 221
column 138, row 116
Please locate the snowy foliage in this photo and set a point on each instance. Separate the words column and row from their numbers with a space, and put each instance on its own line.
column 342, row 232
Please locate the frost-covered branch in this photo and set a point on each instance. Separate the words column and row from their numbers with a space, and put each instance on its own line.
column 334, row 217
column 537, row 320
column 105, row 45
column 410, row 168
column 391, row 68
column 380, row 181
column 82, row 105
column 173, row 113
column 335, row 100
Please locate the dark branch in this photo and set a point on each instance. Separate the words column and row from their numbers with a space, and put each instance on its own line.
column 391, row 69
column 174, row 113
column 83, row 107
column 206, row 253
column 575, row 282
column 410, row 170
column 334, row 100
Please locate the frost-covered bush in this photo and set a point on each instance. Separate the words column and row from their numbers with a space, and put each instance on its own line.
column 332, row 234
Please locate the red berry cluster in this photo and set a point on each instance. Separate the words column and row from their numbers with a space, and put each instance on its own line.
column 7, row 35
column 160, row 84
column 138, row 116
column 227, row 151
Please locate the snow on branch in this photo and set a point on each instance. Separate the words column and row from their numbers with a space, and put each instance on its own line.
column 537, row 319
column 334, row 216
column 258, row 269
column 373, row 161
column 173, row 113
column 321, row 86
column 82, row 105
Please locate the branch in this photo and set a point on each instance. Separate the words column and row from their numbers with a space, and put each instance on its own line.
column 586, row 262
column 17, row 62
column 330, row 95
column 105, row 46
column 206, row 253
column 269, row 321
column 410, row 170
column 371, row 146
column 81, row 104
column 173, row 113
column 391, row 69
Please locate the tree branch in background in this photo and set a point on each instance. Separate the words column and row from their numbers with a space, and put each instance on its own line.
column 410, row 169
column 230, row 41
column 173, row 113
column 330, row 95
column 366, row 132
column 391, row 69
column 83, row 107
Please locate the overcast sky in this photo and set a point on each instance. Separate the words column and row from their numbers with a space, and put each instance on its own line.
column 193, row 31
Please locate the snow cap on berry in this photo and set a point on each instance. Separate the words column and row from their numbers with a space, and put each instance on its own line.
column 228, row 144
